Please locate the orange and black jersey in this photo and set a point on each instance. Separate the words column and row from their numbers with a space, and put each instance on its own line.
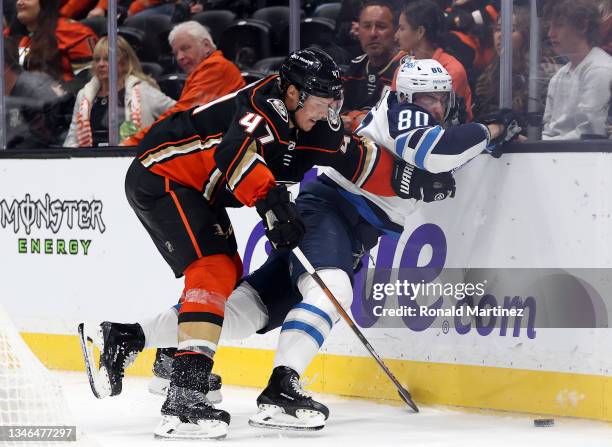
column 236, row 147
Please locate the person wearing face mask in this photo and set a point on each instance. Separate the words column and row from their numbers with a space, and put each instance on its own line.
column 421, row 33
column 140, row 100
column 369, row 76
column 191, row 166
column 58, row 46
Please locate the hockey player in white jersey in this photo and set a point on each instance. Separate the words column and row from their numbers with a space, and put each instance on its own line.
column 343, row 221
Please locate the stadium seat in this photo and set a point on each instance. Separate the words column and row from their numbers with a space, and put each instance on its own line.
column 172, row 85
column 216, row 21
column 316, row 31
column 97, row 24
column 246, row 41
column 152, row 69
column 135, row 37
column 156, row 28
column 327, row 10
column 278, row 18
column 269, row 64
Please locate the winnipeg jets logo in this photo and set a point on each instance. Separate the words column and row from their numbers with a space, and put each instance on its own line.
column 280, row 108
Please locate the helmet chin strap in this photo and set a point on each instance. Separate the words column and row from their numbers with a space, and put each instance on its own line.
column 300, row 104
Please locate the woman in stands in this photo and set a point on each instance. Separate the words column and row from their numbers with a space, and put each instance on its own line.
column 140, row 101
column 422, row 33
column 49, row 43
column 487, row 87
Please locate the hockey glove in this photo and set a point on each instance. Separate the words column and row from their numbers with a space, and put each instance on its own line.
column 410, row 182
column 508, row 120
column 284, row 227
column 457, row 114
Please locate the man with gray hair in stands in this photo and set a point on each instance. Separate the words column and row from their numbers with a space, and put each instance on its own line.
column 211, row 75
column 578, row 96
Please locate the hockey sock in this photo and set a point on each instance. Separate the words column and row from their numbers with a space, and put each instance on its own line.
column 160, row 330
column 308, row 324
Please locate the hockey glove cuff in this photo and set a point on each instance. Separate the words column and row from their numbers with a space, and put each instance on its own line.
column 410, row 182
column 508, row 120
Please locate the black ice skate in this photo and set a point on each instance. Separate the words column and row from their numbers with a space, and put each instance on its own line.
column 162, row 370
column 187, row 413
column 119, row 345
column 285, row 405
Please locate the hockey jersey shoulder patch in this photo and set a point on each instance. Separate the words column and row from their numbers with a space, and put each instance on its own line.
column 279, row 106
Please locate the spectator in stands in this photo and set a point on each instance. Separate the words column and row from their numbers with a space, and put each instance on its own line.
column 422, row 34
column 210, row 74
column 470, row 39
column 32, row 100
column 140, row 101
column 487, row 86
column 579, row 93
column 370, row 75
column 150, row 7
column 79, row 9
column 54, row 45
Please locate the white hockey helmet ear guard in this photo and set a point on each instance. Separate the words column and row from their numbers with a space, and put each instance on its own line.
column 423, row 76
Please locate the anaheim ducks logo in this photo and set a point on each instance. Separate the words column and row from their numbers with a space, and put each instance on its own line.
column 280, row 108
column 334, row 120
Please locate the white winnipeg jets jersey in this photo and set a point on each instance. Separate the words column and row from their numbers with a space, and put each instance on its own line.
column 411, row 133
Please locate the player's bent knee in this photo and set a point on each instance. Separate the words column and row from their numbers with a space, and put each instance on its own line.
column 216, row 273
column 338, row 283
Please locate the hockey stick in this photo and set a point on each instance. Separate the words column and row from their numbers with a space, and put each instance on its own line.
column 403, row 392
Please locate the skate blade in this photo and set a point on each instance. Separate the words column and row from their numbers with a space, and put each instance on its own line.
column 159, row 386
column 98, row 378
column 272, row 416
column 171, row 427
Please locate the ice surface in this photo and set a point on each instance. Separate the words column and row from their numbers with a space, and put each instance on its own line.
column 128, row 420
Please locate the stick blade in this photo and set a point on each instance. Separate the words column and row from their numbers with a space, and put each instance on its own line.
column 406, row 397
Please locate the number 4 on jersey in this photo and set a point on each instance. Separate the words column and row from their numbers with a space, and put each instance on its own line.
column 250, row 121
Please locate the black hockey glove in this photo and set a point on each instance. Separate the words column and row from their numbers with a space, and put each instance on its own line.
column 508, row 120
column 457, row 114
column 410, row 182
column 284, row 227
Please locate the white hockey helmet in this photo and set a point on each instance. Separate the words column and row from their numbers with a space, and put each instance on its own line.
column 423, row 76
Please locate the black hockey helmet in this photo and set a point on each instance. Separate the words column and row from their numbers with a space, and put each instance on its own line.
column 313, row 72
